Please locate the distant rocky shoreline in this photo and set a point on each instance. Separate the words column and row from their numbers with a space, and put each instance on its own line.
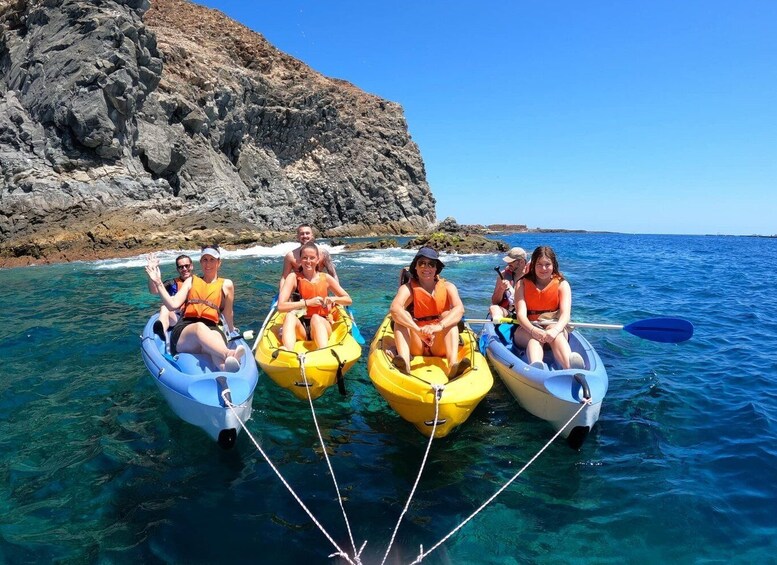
column 113, row 237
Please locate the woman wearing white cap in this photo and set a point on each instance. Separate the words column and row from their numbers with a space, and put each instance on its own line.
column 206, row 299
column 502, row 299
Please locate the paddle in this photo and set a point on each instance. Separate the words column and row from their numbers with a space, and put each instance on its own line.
column 664, row 330
column 508, row 291
column 355, row 332
column 267, row 319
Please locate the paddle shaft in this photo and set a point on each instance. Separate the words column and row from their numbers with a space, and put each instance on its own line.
column 549, row 322
column 264, row 324
column 665, row 330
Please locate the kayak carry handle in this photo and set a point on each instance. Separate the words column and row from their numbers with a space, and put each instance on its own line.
column 580, row 378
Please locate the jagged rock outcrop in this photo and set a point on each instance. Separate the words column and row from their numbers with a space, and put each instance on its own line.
column 154, row 115
column 457, row 242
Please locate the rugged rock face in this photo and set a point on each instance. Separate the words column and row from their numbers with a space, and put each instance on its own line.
column 158, row 120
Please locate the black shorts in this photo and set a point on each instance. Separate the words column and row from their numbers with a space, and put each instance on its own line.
column 175, row 334
column 306, row 324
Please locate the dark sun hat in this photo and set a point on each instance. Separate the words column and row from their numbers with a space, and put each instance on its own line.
column 428, row 253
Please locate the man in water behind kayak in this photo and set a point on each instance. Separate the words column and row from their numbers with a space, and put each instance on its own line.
column 291, row 260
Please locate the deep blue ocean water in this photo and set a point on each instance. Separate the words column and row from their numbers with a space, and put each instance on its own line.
column 681, row 467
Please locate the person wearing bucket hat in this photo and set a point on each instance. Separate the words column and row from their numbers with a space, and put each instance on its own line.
column 502, row 303
column 426, row 312
column 204, row 300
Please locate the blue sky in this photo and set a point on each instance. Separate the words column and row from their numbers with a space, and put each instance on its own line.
column 641, row 117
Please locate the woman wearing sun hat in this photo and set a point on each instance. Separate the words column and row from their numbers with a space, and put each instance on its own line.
column 206, row 299
column 426, row 313
column 502, row 303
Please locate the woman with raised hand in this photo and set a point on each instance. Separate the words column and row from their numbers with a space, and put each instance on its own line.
column 313, row 287
column 543, row 294
column 204, row 300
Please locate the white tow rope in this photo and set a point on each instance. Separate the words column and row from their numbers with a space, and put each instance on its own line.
column 339, row 551
column 356, row 560
column 356, row 553
column 422, row 554
column 438, row 390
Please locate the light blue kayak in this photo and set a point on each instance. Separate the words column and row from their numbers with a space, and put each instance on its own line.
column 550, row 392
column 194, row 388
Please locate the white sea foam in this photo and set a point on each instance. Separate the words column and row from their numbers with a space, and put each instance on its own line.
column 396, row 256
column 168, row 256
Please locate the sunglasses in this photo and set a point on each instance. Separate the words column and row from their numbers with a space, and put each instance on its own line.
column 423, row 263
column 188, row 266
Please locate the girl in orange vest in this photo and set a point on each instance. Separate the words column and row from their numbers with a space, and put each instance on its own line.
column 204, row 300
column 426, row 313
column 313, row 287
column 544, row 294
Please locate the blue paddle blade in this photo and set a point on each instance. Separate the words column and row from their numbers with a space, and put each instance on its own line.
column 357, row 335
column 664, row 330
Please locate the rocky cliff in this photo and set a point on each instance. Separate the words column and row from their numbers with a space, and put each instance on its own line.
column 125, row 124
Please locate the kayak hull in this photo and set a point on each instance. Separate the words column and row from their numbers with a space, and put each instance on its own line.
column 322, row 367
column 193, row 387
column 550, row 393
column 413, row 397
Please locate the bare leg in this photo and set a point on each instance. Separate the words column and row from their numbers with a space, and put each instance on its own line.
column 561, row 350
column 320, row 330
column 446, row 344
column 199, row 338
column 533, row 347
column 402, row 341
column 292, row 331
column 497, row 312
column 171, row 316
column 167, row 318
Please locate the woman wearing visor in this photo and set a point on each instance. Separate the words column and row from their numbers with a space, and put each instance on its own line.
column 204, row 300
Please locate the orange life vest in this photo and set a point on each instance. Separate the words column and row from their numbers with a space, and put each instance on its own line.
column 204, row 300
column 428, row 308
column 541, row 301
column 308, row 289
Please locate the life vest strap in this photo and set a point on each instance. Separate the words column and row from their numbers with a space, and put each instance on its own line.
column 203, row 301
column 427, row 318
column 537, row 312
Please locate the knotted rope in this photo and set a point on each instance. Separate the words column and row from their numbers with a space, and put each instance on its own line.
column 339, row 552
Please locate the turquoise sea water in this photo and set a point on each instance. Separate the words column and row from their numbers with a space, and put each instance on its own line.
column 681, row 467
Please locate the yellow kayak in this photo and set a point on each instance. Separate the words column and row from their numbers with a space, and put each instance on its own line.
column 412, row 396
column 323, row 367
